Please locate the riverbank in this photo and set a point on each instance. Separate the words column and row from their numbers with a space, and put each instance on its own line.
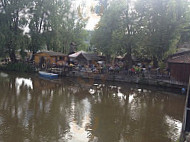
column 18, row 67
column 117, row 77
column 142, row 80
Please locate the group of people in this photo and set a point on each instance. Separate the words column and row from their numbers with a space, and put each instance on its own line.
column 95, row 68
column 113, row 68
column 118, row 68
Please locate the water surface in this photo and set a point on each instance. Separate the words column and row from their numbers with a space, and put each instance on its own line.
column 33, row 109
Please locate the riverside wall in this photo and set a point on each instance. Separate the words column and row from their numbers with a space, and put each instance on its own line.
column 129, row 79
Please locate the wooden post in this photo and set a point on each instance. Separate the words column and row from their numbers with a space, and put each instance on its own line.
column 182, row 137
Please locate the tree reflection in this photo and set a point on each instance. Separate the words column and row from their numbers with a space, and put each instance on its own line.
column 140, row 119
column 63, row 110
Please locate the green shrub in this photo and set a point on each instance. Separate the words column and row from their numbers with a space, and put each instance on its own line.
column 162, row 65
column 19, row 67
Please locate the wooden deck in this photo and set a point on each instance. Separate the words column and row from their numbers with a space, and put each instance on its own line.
column 60, row 71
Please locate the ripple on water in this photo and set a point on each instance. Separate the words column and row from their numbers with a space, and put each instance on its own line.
column 48, row 111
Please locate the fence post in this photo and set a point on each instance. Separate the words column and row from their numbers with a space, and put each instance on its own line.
column 182, row 136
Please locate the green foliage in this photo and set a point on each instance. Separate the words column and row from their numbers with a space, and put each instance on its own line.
column 162, row 26
column 162, row 65
column 18, row 67
column 23, row 54
column 144, row 28
column 102, row 37
column 53, row 25
column 11, row 24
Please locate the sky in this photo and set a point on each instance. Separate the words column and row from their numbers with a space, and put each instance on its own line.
column 93, row 17
column 87, row 4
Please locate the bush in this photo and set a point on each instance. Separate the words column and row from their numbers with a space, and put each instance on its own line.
column 19, row 67
column 162, row 65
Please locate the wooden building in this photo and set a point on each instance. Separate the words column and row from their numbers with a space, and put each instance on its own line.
column 49, row 58
column 84, row 58
column 179, row 65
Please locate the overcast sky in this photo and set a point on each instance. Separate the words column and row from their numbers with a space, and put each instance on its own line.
column 87, row 5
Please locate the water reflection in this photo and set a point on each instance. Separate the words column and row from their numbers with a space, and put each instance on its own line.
column 33, row 109
column 174, row 127
column 3, row 75
column 80, row 127
column 131, row 97
column 23, row 82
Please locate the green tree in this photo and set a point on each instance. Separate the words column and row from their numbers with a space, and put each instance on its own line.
column 39, row 14
column 164, row 22
column 102, row 37
column 55, row 24
column 128, row 35
column 144, row 28
column 12, row 21
column 118, row 30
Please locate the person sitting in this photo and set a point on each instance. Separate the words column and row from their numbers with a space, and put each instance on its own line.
column 132, row 71
column 126, row 70
column 117, row 69
column 111, row 69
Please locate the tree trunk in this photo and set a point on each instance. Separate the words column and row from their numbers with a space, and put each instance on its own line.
column 33, row 53
column 108, row 58
column 12, row 56
column 11, row 52
column 155, row 62
column 129, row 57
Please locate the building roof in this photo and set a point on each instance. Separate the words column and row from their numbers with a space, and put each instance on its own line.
column 119, row 57
column 74, row 55
column 52, row 53
column 87, row 56
column 180, row 57
column 181, row 50
column 91, row 56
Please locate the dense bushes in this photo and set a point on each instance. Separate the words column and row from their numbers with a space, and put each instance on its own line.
column 19, row 67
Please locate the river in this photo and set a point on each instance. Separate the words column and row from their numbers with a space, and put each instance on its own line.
column 33, row 109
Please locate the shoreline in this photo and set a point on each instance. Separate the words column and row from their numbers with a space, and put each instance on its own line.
column 117, row 78
column 128, row 79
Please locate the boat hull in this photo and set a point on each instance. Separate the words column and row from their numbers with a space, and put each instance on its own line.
column 48, row 75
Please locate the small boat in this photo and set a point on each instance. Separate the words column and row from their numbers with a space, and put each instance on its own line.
column 48, row 75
